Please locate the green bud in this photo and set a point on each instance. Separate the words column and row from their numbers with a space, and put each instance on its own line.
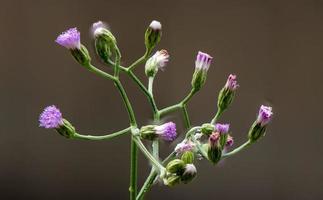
column 66, row 129
column 214, row 153
column 148, row 132
column 81, row 55
column 189, row 173
column 223, row 140
column 188, row 157
column 225, row 98
column 105, row 42
column 175, row 166
column 207, row 129
column 152, row 35
column 199, row 78
column 256, row 131
column 172, row 180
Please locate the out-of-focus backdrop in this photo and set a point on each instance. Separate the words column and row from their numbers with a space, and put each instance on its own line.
column 274, row 47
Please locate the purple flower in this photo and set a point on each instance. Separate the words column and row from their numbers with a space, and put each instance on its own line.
column 184, row 146
column 214, row 138
column 70, row 39
column 167, row 131
column 203, row 61
column 231, row 83
column 51, row 117
column 229, row 142
column 222, row 128
column 264, row 115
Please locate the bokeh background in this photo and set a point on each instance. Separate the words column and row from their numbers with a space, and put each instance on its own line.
column 275, row 48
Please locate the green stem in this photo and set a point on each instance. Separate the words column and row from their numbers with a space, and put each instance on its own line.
column 99, row 72
column 169, row 109
column 101, row 137
column 133, row 170
column 217, row 116
column 150, row 85
column 150, row 157
column 186, row 117
column 200, row 148
column 238, row 149
column 139, row 61
column 188, row 97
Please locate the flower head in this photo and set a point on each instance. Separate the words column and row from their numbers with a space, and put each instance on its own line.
column 97, row 27
column 185, row 145
column 51, row 117
column 214, row 138
column 229, row 142
column 222, row 128
column 167, row 131
column 203, row 61
column 70, row 39
column 155, row 25
column 264, row 115
column 157, row 61
column 231, row 83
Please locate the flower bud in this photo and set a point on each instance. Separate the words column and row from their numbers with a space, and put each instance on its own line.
column 172, row 180
column 188, row 157
column 227, row 93
column 189, row 173
column 222, row 129
column 258, row 128
column 51, row 118
column 71, row 39
column 105, row 42
column 202, row 64
column 207, row 129
column 214, row 150
column 175, row 166
column 157, row 61
column 153, row 35
column 229, row 142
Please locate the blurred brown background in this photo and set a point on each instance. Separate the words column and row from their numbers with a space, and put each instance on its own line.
column 275, row 48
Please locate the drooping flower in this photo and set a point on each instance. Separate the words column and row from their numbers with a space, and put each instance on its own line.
column 264, row 115
column 51, row 117
column 232, row 83
column 222, row 128
column 185, row 145
column 167, row 131
column 203, row 61
column 70, row 39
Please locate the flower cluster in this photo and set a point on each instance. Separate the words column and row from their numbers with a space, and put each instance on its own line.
column 211, row 140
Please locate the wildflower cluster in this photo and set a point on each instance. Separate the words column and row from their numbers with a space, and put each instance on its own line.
column 210, row 141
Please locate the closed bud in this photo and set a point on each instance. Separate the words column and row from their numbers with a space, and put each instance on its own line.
column 189, row 173
column 172, row 180
column 152, row 35
column 202, row 64
column 105, row 42
column 175, row 166
column 214, row 150
column 81, row 55
column 258, row 128
column 227, row 93
column 207, row 129
column 187, row 157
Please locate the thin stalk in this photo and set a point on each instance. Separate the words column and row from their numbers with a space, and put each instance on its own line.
column 101, row 137
column 217, row 116
column 186, row 117
column 139, row 61
column 169, row 109
column 238, row 149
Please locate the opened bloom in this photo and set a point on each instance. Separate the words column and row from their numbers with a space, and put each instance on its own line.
column 167, row 131
column 203, row 61
column 185, row 145
column 222, row 128
column 51, row 117
column 70, row 39
column 232, row 83
column 264, row 115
